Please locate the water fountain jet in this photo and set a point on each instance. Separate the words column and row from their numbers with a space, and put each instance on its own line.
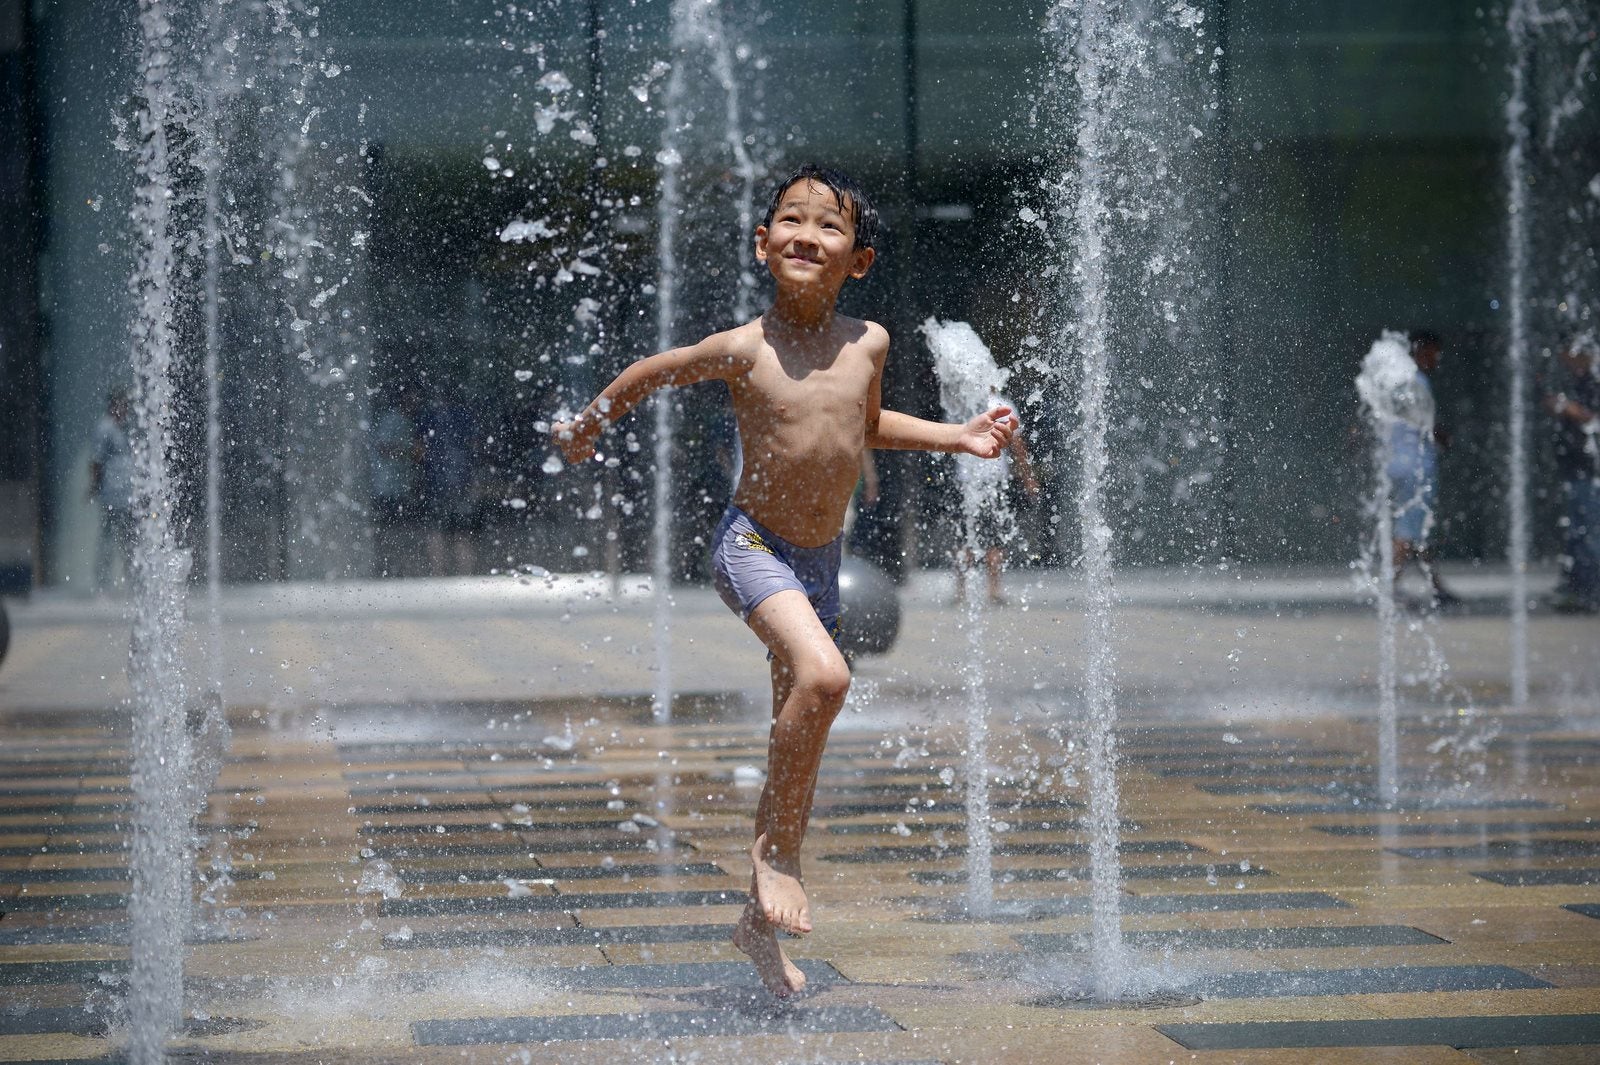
column 969, row 381
column 158, row 902
column 1517, row 250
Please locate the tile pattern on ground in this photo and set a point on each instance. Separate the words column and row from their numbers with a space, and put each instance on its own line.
column 458, row 898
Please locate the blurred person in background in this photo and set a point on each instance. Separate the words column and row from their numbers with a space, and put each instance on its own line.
column 449, row 437
column 1575, row 405
column 111, row 489
column 393, row 460
column 1414, row 445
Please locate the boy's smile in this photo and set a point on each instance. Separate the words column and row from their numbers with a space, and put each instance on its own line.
column 811, row 240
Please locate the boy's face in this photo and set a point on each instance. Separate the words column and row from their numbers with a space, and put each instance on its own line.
column 811, row 241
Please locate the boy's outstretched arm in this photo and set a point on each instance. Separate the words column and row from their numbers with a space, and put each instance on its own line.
column 987, row 435
column 716, row 357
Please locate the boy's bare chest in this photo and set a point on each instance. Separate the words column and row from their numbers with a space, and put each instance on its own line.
column 793, row 392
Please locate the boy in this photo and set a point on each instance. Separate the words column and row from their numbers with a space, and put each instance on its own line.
column 806, row 384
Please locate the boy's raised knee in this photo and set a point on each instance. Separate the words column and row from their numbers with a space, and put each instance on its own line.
column 827, row 681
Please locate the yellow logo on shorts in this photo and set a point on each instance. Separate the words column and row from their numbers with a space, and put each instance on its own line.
column 751, row 541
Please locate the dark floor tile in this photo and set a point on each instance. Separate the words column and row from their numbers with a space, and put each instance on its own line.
column 604, row 900
column 1180, row 753
column 63, row 790
column 111, row 933
column 1278, row 770
column 1508, row 848
column 1459, row 828
column 58, row 875
column 1406, row 979
column 63, row 903
column 997, row 807
column 1368, row 806
column 1233, row 900
column 1588, row 909
column 571, row 936
column 683, row 974
column 619, row 845
column 56, row 846
column 1081, row 872
column 414, row 875
column 1061, row 824
column 653, row 1026
column 64, row 1020
column 423, row 828
column 382, row 808
column 412, row 791
column 1540, row 877
column 1300, row 937
column 1023, row 907
column 1283, row 787
column 16, row 974
column 1459, row 1032
column 1054, row 848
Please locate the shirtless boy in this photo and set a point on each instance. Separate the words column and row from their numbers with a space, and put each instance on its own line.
column 806, row 384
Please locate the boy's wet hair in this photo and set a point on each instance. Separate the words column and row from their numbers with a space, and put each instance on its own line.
column 861, row 211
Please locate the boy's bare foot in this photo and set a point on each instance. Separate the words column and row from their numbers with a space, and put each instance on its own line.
column 756, row 937
column 778, row 891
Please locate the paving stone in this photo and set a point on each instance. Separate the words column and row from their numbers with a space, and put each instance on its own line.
column 451, row 829
column 1274, row 770
column 1588, row 909
column 1509, row 848
column 559, row 937
column 68, row 1020
column 60, row 874
column 621, row 844
column 54, row 846
column 957, row 850
column 63, row 903
column 1022, row 907
column 687, row 974
column 379, row 809
column 1540, row 877
column 1411, row 979
column 1460, row 828
column 922, row 827
column 1081, row 872
column 1297, row 938
column 655, row 1026
column 586, row 901
column 997, row 807
column 414, row 875
column 1458, row 1032
column 16, row 974
column 1368, row 806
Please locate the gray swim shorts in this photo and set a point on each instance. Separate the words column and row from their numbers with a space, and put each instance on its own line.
column 750, row 562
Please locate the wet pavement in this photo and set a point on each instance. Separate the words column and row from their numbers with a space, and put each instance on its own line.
column 402, row 861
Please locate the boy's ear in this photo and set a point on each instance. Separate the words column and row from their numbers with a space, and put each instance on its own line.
column 761, row 244
column 862, row 262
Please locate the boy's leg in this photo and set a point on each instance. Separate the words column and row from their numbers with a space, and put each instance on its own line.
column 754, row 934
column 782, row 684
column 818, row 680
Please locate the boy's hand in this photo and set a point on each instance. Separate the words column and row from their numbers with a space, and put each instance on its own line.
column 989, row 434
column 576, row 438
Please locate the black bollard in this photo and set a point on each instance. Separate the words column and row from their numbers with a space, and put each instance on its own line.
column 870, row 621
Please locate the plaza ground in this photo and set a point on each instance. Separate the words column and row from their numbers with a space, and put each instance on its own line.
column 562, row 870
